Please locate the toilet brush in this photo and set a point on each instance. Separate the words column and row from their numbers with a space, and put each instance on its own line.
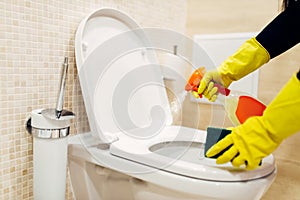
column 50, row 130
column 59, row 113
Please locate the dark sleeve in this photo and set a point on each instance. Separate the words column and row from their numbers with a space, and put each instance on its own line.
column 283, row 32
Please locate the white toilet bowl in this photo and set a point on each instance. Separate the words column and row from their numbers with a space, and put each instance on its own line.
column 133, row 151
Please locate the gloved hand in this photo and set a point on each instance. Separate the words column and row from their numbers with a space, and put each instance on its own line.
column 206, row 86
column 250, row 56
column 260, row 136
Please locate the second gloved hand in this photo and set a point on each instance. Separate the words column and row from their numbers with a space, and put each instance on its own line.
column 259, row 136
column 250, row 143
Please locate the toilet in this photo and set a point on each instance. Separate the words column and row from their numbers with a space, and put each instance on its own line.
column 132, row 151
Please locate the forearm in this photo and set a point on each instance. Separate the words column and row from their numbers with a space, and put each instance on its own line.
column 283, row 32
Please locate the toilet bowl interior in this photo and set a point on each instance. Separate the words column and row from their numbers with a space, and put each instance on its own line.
column 184, row 150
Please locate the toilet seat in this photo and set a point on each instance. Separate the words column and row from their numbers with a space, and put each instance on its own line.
column 105, row 68
column 186, row 158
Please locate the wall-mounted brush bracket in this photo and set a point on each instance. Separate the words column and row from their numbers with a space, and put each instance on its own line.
column 50, row 128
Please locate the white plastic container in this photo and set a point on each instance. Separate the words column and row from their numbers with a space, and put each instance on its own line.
column 50, row 145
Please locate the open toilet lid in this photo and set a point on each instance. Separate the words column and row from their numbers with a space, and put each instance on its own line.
column 122, row 84
column 98, row 27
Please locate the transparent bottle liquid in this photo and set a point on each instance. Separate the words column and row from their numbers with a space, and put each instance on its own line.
column 230, row 103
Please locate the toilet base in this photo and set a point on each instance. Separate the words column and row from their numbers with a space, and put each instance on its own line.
column 89, row 180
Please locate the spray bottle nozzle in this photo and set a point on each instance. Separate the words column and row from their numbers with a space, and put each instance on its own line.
column 194, row 81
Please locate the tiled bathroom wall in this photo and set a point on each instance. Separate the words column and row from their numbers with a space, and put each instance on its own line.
column 35, row 36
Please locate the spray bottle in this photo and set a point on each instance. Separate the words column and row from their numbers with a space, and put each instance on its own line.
column 239, row 106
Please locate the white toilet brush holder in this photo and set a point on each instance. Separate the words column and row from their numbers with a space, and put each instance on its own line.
column 50, row 146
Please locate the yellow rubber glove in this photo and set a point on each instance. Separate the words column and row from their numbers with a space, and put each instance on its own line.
column 250, row 56
column 260, row 136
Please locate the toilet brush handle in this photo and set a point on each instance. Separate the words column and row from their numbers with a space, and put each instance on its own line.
column 60, row 99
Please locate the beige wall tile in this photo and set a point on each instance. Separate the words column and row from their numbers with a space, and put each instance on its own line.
column 34, row 38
